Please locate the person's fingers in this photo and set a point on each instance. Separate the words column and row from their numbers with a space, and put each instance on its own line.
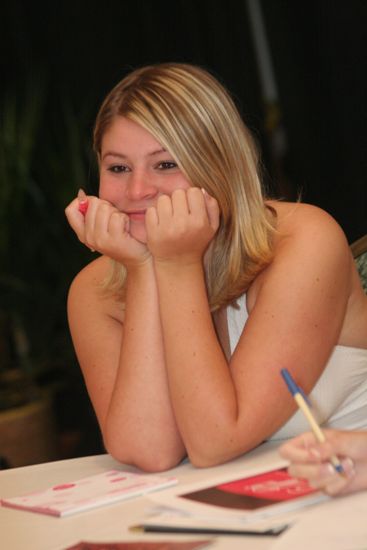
column 196, row 204
column 90, row 222
column 357, row 475
column 151, row 219
column 314, row 473
column 164, row 208
column 83, row 201
column 342, row 483
column 118, row 224
column 301, row 449
column 180, row 204
column 323, row 476
column 75, row 219
column 106, row 218
column 311, row 460
column 212, row 208
column 101, row 220
column 345, row 443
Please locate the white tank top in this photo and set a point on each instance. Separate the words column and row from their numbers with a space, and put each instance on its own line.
column 339, row 398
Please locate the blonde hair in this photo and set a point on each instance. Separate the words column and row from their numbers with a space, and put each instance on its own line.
column 192, row 115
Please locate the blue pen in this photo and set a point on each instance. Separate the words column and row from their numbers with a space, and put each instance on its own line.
column 302, row 403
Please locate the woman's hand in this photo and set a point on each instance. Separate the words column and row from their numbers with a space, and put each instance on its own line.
column 102, row 227
column 310, row 460
column 180, row 227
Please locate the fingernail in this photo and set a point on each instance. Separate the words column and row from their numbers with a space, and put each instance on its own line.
column 348, row 466
column 81, row 195
column 203, row 191
column 314, row 452
column 328, row 469
column 83, row 201
column 83, row 207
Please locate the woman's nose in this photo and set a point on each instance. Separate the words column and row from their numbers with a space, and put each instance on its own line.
column 140, row 186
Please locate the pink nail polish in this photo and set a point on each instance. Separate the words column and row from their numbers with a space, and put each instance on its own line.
column 83, row 207
column 83, row 201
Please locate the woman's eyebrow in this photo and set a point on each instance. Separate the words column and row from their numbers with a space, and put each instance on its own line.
column 162, row 150
column 113, row 154
column 123, row 156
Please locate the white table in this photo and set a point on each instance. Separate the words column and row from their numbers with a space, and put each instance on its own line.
column 30, row 531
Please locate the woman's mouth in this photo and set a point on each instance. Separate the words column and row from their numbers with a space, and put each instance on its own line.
column 136, row 215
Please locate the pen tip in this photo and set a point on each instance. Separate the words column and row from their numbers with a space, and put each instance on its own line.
column 136, row 529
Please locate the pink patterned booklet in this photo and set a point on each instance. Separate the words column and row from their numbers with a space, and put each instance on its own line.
column 90, row 492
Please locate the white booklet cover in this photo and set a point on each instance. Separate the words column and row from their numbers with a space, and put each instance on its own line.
column 231, row 501
column 90, row 492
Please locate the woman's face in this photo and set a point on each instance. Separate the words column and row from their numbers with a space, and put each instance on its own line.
column 134, row 171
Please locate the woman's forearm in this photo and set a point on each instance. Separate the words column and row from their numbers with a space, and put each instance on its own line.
column 140, row 425
column 203, row 393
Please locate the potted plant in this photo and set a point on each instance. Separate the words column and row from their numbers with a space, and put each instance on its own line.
column 40, row 170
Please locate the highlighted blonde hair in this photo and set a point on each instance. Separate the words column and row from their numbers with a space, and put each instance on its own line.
column 192, row 115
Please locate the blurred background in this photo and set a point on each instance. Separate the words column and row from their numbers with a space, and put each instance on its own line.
column 297, row 71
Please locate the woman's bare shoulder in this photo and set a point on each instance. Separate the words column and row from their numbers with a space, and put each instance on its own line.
column 87, row 289
column 292, row 212
column 93, row 273
column 308, row 225
column 308, row 245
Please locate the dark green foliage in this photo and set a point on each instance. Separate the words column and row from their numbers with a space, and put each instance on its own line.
column 44, row 158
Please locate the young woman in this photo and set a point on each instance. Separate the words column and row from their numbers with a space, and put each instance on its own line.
column 205, row 289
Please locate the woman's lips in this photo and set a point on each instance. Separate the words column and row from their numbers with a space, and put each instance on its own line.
column 136, row 215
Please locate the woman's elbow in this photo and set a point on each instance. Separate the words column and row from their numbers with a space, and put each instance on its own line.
column 203, row 460
column 146, row 459
column 207, row 456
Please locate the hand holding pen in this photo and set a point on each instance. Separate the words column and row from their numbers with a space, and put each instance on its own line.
column 303, row 404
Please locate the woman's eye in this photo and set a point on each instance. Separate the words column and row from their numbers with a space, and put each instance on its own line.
column 117, row 169
column 166, row 165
